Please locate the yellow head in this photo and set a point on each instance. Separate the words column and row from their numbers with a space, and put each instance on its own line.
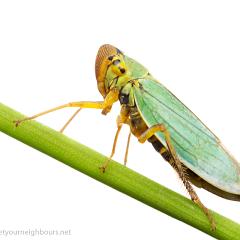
column 109, row 65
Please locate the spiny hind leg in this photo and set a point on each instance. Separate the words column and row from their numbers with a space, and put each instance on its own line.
column 105, row 105
column 177, row 165
column 123, row 118
column 158, row 128
column 181, row 170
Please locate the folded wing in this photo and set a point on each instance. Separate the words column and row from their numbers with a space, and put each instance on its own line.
column 197, row 147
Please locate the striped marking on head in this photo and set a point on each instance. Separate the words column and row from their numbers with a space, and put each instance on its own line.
column 103, row 60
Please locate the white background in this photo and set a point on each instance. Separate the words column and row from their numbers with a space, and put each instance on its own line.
column 47, row 57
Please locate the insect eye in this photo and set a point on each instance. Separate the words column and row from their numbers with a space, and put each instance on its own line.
column 116, row 62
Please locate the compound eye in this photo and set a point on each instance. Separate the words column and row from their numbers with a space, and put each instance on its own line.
column 116, row 62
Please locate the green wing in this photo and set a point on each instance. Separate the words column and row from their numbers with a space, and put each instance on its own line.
column 197, row 147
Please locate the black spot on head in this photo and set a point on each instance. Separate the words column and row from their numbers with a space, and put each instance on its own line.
column 122, row 70
column 110, row 58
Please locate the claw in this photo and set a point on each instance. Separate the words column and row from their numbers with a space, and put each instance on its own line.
column 17, row 122
column 102, row 168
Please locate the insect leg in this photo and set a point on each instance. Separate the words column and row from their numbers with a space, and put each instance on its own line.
column 178, row 166
column 181, row 170
column 127, row 148
column 105, row 105
column 97, row 105
column 70, row 119
column 105, row 164
column 123, row 118
column 152, row 130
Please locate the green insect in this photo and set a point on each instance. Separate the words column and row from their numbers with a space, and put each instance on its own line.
column 153, row 113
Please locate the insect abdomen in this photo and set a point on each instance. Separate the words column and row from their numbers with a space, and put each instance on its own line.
column 138, row 126
column 159, row 147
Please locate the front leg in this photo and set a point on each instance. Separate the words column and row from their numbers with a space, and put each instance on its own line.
column 105, row 110
column 105, row 105
column 69, row 120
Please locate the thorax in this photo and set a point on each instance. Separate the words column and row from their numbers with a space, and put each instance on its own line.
column 135, row 120
column 126, row 98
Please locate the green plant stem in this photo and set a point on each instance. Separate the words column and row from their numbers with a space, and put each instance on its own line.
column 117, row 176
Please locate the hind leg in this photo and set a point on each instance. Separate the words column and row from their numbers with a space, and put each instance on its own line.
column 177, row 165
